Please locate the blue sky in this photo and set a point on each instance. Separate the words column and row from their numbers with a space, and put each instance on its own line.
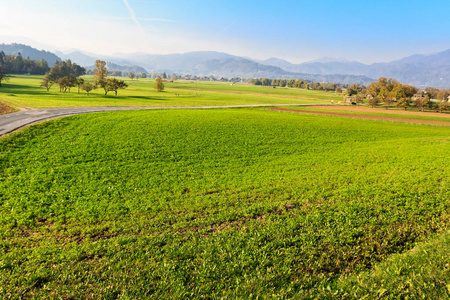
column 367, row 31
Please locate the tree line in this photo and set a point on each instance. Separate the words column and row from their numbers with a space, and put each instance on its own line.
column 66, row 74
column 390, row 91
column 386, row 90
column 19, row 65
column 12, row 64
column 302, row 84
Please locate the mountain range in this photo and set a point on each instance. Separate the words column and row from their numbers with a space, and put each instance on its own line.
column 431, row 70
column 420, row 70
column 27, row 51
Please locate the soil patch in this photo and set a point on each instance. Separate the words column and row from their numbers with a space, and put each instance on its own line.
column 4, row 109
column 384, row 111
column 411, row 121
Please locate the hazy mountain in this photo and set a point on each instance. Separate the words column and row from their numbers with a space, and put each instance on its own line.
column 110, row 66
column 27, row 51
column 281, row 63
column 236, row 67
column 419, row 70
column 325, row 66
column 78, row 57
column 178, row 63
column 88, row 59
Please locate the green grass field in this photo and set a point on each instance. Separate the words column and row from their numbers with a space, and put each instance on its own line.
column 25, row 91
column 230, row 203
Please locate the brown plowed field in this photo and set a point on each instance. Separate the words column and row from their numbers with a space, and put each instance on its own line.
column 364, row 109
column 4, row 109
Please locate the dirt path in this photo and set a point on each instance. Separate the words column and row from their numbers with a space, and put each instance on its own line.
column 411, row 121
column 20, row 107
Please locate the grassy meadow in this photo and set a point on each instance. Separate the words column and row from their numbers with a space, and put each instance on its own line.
column 230, row 203
column 25, row 91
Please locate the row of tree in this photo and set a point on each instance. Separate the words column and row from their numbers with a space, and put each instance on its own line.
column 391, row 91
column 19, row 65
column 302, row 84
column 385, row 90
column 11, row 64
column 66, row 74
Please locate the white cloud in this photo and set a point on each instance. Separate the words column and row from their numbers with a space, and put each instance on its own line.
column 133, row 15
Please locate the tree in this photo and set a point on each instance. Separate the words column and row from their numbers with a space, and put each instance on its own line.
column 298, row 83
column 159, row 85
column 80, row 82
column 47, row 83
column 66, row 82
column 432, row 92
column 420, row 103
column 442, row 105
column 350, row 91
column 330, row 87
column 132, row 75
column 87, row 86
column 427, row 101
column 403, row 102
column 143, row 75
column 265, row 81
column 100, row 73
column 116, row 73
column 114, row 85
column 65, row 74
column 3, row 73
column 374, row 101
column 443, row 95
column 403, row 91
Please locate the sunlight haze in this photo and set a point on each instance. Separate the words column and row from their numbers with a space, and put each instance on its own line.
column 298, row 31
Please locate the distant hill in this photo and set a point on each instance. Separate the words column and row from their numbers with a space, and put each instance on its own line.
column 112, row 63
column 226, row 65
column 110, row 66
column 78, row 57
column 419, row 70
column 176, row 63
column 32, row 53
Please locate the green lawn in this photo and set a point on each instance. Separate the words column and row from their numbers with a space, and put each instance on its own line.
column 233, row 203
column 25, row 91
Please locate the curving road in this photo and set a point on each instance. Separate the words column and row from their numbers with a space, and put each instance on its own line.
column 13, row 121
